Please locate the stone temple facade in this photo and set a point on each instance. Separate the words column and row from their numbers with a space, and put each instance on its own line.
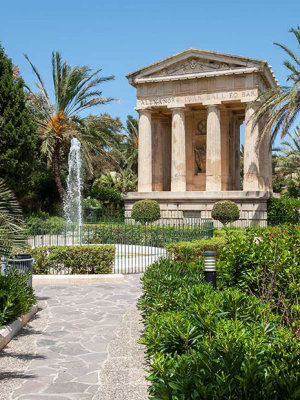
column 191, row 107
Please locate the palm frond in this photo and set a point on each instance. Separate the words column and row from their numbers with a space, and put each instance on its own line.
column 11, row 221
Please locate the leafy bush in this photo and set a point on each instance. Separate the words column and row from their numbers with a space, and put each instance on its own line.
column 170, row 277
column 192, row 251
column 207, row 344
column 150, row 235
column 266, row 263
column 90, row 202
column 105, row 195
column 285, row 210
column 145, row 211
column 40, row 226
column 225, row 211
column 73, row 259
column 16, row 298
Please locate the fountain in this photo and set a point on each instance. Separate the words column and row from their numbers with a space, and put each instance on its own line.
column 72, row 201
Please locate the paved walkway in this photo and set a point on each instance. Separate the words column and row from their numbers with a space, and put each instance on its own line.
column 81, row 345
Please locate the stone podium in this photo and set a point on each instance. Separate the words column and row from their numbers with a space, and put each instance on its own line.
column 191, row 107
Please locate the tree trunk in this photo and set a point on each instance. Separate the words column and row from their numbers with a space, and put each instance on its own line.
column 55, row 169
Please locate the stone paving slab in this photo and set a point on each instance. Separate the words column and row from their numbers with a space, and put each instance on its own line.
column 77, row 327
column 122, row 376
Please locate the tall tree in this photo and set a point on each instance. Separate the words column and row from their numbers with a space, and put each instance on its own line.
column 76, row 89
column 280, row 106
column 18, row 141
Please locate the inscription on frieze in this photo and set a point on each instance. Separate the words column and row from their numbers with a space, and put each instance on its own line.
column 243, row 95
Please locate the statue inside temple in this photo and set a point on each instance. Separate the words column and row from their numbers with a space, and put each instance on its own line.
column 200, row 158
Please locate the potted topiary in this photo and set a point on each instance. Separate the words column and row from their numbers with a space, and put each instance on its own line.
column 225, row 211
column 145, row 211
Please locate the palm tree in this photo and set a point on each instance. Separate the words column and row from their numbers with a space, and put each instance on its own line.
column 288, row 162
column 76, row 89
column 125, row 152
column 11, row 221
column 280, row 106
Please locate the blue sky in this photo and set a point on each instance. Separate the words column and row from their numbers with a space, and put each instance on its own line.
column 121, row 36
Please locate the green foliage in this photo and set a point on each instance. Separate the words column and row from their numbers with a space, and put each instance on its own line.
column 207, row 344
column 106, row 195
column 11, row 221
column 16, row 298
column 90, row 202
column 170, row 278
column 73, row 259
column 279, row 106
column 266, row 263
column 284, row 210
column 192, row 251
column 75, row 89
column 149, row 235
column 45, row 225
column 145, row 211
column 225, row 211
column 18, row 142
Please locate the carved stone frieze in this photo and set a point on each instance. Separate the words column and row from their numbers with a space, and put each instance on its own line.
column 195, row 65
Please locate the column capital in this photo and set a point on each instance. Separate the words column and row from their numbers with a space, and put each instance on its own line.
column 144, row 111
column 219, row 107
column 179, row 108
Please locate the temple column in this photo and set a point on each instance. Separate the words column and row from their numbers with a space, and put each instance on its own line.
column 237, row 154
column 213, row 150
column 145, row 152
column 178, row 161
column 251, row 151
column 157, row 155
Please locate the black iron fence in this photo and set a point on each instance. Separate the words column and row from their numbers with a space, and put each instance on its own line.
column 136, row 245
column 21, row 262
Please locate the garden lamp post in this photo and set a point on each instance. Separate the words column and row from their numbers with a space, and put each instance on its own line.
column 210, row 274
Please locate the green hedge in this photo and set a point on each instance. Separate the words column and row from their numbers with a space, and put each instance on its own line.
column 73, row 259
column 42, row 226
column 266, row 262
column 191, row 251
column 285, row 210
column 136, row 234
column 207, row 344
column 16, row 298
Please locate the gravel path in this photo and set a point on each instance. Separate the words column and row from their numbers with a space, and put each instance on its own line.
column 81, row 345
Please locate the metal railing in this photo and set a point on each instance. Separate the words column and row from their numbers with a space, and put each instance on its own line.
column 21, row 262
column 136, row 245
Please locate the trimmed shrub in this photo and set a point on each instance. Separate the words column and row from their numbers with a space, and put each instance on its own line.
column 266, row 262
column 42, row 226
column 145, row 211
column 192, row 251
column 73, row 259
column 285, row 210
column 136, row 234
column 225, row 211
column 207, row 344
column 16, row 298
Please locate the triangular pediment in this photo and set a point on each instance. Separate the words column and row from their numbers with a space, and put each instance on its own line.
column 192, row 65
column 195, row 62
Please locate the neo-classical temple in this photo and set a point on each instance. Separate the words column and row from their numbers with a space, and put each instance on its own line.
column 191, row 107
